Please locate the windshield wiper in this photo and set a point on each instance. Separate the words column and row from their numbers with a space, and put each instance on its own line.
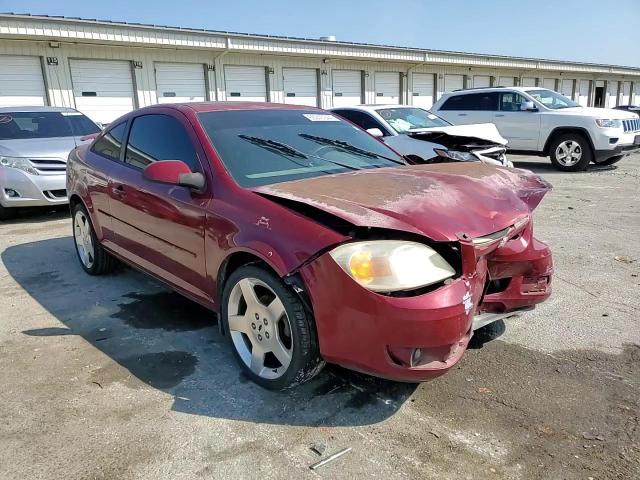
column 288, row 150
column 341, row 144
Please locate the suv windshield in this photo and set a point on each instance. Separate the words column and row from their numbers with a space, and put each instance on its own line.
column 405, row 119
column 261, row 147
column 551, row 99
column 26, row 125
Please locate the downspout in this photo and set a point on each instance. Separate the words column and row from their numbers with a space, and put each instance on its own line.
column 215, row 60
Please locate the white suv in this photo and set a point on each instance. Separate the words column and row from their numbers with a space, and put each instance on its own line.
column 537, row 121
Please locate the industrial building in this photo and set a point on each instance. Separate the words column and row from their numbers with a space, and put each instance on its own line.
column 106, row 68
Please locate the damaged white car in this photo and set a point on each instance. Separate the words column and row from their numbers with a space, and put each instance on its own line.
column 423, row 137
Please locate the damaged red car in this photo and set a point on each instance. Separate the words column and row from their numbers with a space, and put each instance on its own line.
column 312, row 240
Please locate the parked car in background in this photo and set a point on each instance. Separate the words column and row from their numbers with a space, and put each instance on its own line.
column 423, row 137
column 314, row 241
column 629, row 108
column 537, row 121
column 34, row 145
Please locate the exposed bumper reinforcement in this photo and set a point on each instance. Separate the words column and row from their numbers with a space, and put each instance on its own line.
column 484, row 319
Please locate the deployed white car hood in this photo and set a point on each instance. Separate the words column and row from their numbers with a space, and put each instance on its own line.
column 482, row 131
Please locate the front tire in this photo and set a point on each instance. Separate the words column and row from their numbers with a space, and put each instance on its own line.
column 94, row 259
column 272, row 335
column 610, row 161
column 570, row 152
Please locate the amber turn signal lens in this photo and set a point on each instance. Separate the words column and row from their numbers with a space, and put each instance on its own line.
column 361, row 267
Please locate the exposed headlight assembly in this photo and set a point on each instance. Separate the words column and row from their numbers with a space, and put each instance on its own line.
column 457, row 156
column 392, row 265
column 19, row 163
column 608, row 123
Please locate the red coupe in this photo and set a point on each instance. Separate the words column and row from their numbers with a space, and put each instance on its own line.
column 311, row 239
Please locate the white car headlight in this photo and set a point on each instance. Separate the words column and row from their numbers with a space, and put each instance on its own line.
column 458, row 156
column 392, row 265
column 19, row 163
column 608, row 123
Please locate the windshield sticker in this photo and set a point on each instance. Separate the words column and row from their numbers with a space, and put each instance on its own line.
column 68, row 114
column 320, row 117
column 431, row 116
column 5, row 119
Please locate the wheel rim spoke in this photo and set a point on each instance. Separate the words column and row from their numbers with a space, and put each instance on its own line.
column 238, row 323
column 248, row 292
column 276, row 309
column 257, row 360
column 84, row 242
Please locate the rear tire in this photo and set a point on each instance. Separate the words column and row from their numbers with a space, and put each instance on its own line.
column 94, row 259
column 271, row 333
column 610, row 161
column 570, row 152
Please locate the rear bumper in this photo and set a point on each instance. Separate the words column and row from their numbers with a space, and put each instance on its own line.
column 33, row 190
column 420, row 337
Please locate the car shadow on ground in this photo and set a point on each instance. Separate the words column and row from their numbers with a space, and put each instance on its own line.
column 33, row 215
column 160, row 339
column 544, row 166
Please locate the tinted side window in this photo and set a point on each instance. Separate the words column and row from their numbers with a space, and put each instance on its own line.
column 159, row 137
column 362, row 119
column 511, row 101
column 110, row 143
column 472, row 101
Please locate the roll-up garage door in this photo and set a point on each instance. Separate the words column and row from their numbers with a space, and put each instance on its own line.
column 481, row 81
column 300, row 86
column 423, row 90
column 347, row 87
column 245, row 84
column 612, row 92
column 528, row 82
column 180, row 82
column 453, row 82
column 387, row 85
column 625, row 97
column 21, row 81
column 583, row 93
column 506, row 81
column 103, row 89
column 566, row 88
column 549, row 83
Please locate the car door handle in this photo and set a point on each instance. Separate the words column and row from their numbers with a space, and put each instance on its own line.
column 118, row 190
column 462, row 114
column 499, row 114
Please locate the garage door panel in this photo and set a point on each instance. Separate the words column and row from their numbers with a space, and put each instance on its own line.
column 180, row 82
column 422, row 90
column 506, row 81
column 21, row 81
column 102, row 89
column 387, row 87
column 481, row 81
column 300, row 86
column 583, row 93
column 245, row 84
column 528, row 82
column 453, row 82
column 549, row 83
column 347, row 87
column 566, row 88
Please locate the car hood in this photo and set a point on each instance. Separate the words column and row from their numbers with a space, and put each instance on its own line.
column 441, row 201
column 483, row 132
column 40, row 147
column 598, row 112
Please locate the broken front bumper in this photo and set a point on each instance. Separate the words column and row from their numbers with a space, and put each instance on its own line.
column 416, row 338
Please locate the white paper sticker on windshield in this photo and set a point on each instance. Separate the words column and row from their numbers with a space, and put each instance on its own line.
column 320, row 117
column 67, row 114
column 5, row 118
column 432, row 116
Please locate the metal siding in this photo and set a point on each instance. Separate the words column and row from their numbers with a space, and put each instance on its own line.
column 180, row 82
column 21, row 81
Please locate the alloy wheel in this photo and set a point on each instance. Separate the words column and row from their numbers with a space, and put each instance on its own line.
column 568, row 153
column 83, row 238
column 260, row 329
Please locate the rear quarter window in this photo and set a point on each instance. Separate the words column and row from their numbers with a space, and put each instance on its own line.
column 110, row 144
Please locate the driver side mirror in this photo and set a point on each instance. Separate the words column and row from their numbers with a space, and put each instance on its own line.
column 528, row 106
column 375, row 132
column 174, row 172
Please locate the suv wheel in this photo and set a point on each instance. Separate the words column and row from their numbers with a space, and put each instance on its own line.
column 570, row 152
column 272, row 335
column 94, row 259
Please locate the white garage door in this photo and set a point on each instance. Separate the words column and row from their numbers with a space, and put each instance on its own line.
column 245, row 84
column 180, row 82
column 566, row 88
column 612, row 92
column 481, row 81
column 549, row 83
column 300, row 86
column 583, row 93
column 453, row 82
column 625, row 97
column 21, row 81
column 347, row 87
column 506, row 81
column 387, row 87
column 528, row 82
column 423, row 90
column 102, row 89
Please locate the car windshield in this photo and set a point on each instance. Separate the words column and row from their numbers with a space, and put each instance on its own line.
column 405, row 119
column 27, row 125
column 551, row 99
column 262, row 147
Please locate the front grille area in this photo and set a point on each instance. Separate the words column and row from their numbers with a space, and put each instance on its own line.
column 48, row 166
column 632, row 125
column 56, row 194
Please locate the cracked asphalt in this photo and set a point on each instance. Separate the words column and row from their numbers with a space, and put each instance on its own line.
column 118, row 378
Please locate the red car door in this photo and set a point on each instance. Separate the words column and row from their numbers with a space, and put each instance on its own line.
column 156, row 226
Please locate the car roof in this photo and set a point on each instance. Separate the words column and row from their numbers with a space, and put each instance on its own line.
column 368, row 107
column 492, row 89
column 224, row 106
column 36, row 109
